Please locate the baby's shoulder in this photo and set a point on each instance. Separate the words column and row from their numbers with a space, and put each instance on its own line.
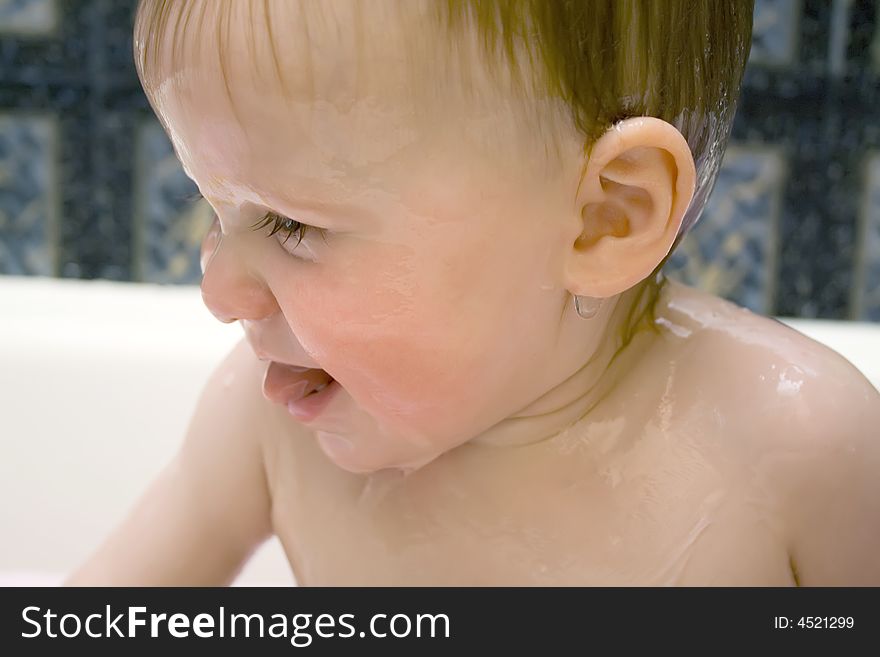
column 782, row 384
column 235, row 391
column 231, row 401
column 798, row 421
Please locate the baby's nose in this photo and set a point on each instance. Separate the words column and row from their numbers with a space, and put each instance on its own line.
column 209, row 244
column 229, row 290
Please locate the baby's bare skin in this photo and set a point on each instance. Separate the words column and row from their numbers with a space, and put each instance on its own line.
column 724, row 448
column 720, row 459
column 676, row 478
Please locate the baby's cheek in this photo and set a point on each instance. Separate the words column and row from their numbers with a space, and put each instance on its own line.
column 394, row 357
column 393, row 333
column 394, row 363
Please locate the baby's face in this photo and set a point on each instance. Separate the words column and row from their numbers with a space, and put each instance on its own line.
column 433, row 296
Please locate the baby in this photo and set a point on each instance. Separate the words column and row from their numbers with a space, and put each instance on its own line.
column 441, row 226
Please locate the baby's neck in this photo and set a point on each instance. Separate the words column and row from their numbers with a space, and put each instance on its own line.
column 574, row 401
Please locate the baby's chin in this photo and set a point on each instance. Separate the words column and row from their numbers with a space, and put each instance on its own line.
column 366, row 459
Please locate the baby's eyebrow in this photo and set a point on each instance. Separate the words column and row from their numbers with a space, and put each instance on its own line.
column 344, row 213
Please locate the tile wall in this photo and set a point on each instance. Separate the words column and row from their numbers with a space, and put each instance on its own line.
column 90, row 188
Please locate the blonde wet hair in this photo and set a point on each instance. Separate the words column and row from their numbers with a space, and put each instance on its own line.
column 599, row 61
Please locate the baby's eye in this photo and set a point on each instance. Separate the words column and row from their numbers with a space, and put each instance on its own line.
column 288, row 226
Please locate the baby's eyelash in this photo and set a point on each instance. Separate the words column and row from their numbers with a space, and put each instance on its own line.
column 289, row 226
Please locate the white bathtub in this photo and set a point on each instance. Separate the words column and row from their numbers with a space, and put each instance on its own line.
column 140, row 354
column 68, row 473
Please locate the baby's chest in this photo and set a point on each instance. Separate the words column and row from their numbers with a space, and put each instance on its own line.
column 526, row 533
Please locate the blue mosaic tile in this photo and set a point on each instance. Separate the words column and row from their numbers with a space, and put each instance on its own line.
column 169, row 226
column 873, row 49
column 731, row 251
column 28, row 208
column 28, row 16
column 838, row 36
column 810, row 92
column 774, row 32
column 866, row 287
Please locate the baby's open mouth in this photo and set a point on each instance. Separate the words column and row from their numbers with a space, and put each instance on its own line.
column 286, row 383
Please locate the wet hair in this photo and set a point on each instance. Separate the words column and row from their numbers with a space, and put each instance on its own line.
column 678, row 60
column 601, row 60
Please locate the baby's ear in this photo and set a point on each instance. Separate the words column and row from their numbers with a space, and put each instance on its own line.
column 636, row 187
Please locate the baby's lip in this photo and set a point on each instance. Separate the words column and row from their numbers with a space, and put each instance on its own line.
column 283, row 383
column 264, row 355
column 268, row 344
